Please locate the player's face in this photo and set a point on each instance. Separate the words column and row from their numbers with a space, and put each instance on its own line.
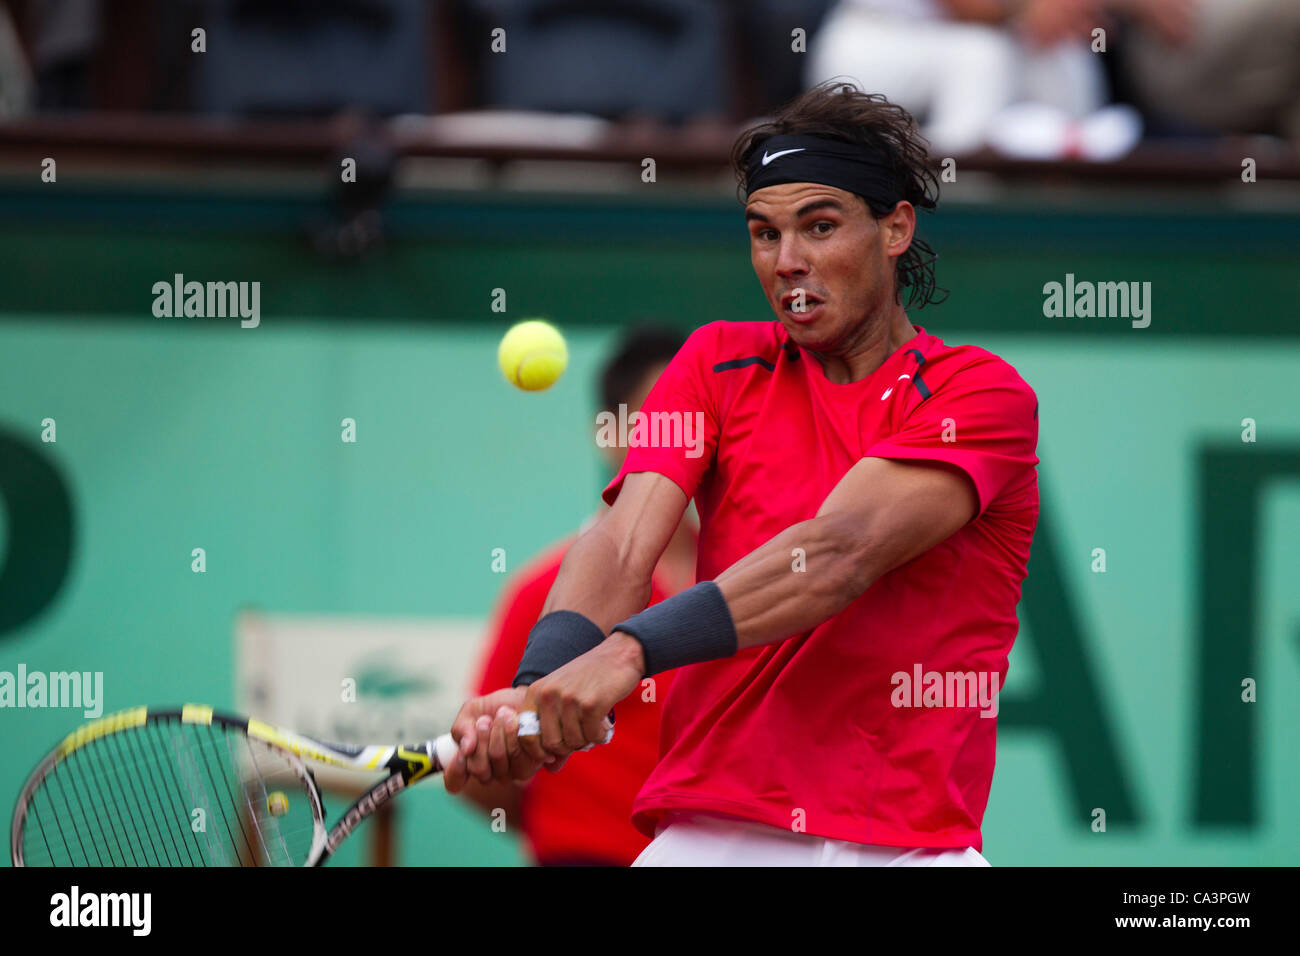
column 825, row 242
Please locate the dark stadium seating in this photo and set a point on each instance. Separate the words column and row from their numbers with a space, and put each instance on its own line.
column 314, row 57
column 665, row 58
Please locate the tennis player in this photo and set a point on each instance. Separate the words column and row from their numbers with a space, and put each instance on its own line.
column 867, row 497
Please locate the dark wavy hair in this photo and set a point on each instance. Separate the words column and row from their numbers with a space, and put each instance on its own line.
column 840, row 110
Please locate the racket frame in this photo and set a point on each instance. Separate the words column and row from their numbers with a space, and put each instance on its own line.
column 405, row 765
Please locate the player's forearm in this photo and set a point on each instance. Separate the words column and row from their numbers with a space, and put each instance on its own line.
column 798, row 579
column 600, row 580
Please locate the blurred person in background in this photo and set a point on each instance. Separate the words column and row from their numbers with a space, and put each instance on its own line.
column 582, row 817
column 66, row 37
column 959, row 63
column 1017, row 75
column 15, row 74
column 1218, row 66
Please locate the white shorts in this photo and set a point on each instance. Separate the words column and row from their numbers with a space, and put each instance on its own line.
column 698, row 839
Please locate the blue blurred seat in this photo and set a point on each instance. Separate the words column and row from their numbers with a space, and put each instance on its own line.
column 314, row 57
column 608, row 57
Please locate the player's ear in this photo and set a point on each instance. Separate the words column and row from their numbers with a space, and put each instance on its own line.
column 898, row 227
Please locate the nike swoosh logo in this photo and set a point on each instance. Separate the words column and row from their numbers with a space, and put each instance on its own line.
column 767, row 158
column 889, row 391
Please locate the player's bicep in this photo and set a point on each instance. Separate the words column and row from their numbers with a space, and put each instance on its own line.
column 643, row 518
column 894, row 511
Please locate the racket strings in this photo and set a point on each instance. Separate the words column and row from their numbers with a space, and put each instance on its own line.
column 133, row 798
column 265, row 800
column 85, row 792
column 176, row 850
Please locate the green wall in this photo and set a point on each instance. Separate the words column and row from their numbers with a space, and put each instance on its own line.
column 1124, row 689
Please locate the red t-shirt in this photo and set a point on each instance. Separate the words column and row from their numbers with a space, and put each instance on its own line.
column 584, row 811
column 804, row 731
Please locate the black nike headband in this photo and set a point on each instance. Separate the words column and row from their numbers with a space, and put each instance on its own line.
column 800, row 158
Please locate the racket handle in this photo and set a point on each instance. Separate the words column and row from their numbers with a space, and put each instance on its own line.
column 528, row 727
column 445, row 748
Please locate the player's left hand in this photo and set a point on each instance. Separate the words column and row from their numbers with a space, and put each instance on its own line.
column 486, row 749
column 572, row 703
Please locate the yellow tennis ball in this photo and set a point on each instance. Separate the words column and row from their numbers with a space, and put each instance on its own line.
column 277, row 803
column 533, row 355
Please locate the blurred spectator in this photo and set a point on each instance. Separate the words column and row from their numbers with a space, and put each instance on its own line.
column 773, row 72
column 15, row 75
column 583, row 816
column 962, row 64
column 1222, row 66
column 356, row 226
column 65, row 37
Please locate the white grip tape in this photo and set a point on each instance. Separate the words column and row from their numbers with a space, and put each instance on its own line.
column 530, row 727
column 445, row 748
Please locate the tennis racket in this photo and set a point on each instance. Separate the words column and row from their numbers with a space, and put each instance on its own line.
column 191, row 787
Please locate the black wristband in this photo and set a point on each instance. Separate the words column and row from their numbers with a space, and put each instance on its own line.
column 688, row 628
column 556, row 639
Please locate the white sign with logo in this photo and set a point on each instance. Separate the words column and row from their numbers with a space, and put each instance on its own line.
column 354, row 680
